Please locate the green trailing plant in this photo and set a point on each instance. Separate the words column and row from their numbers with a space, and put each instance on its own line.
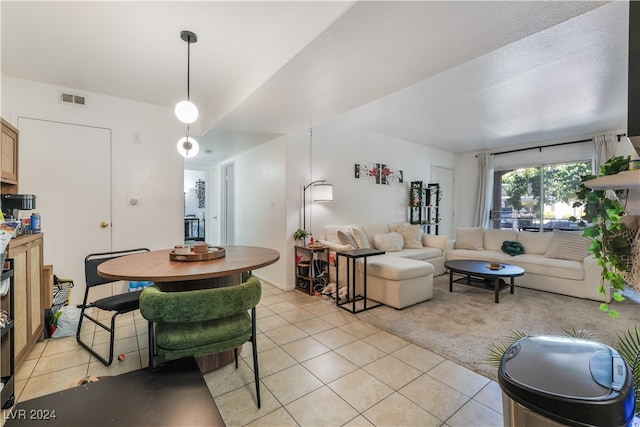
column 300, row 234
column 603, row 215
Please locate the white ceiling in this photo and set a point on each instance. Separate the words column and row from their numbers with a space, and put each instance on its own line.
column 461, row 76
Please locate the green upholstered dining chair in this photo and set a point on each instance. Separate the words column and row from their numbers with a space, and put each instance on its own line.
column 201, row 322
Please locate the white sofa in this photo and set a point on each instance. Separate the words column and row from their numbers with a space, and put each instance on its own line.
column 401, row 277
column 433, row 247
column 554, row 262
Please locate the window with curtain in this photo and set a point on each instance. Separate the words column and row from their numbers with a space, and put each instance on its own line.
column 539, row 197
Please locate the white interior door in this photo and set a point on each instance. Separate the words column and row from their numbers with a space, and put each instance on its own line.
column 68, row 168
column 444, row 177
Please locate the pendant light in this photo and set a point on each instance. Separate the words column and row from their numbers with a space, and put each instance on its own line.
column 188, row 146
column 186, row 111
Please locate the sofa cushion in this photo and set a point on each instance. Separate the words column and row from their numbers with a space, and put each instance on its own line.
column 396, row 268
column 372, row 230
column 390, row 242
column 534, row 242
column 493, row 239
column 435, row 241
column 469, row 238
column 361, row 238
column 411, row 236
column 478, row 255
column 549, row 267
column 422, row 254
column 568, row 245
column 346, row 238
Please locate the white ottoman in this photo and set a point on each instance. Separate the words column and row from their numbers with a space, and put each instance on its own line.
column 399, row 282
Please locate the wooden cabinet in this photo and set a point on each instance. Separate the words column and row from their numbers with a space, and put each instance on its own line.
column 9, row 158
column 30, row 293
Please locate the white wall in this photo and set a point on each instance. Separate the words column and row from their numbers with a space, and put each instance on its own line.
column 260, row 195
column 337, row 148
column 151, row 169
column 269, row 181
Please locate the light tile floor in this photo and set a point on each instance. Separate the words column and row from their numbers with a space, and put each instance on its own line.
column 319, row 366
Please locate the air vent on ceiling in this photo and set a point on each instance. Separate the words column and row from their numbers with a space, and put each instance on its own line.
column 69, row 98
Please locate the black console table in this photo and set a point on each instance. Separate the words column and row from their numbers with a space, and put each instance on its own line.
column 172, row 394
column 352, row 297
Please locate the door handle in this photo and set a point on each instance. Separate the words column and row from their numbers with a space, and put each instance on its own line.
column 104, row 224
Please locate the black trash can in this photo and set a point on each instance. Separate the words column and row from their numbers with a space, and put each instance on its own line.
column 562, row 381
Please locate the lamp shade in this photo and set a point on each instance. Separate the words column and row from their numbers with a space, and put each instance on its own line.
column 323, row 193
column 186, row 112
column 188, row 146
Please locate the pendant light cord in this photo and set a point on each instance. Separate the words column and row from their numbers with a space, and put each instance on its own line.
column 188, row 66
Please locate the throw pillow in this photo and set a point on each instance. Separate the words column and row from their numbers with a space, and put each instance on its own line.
column 469, row 238
column 568, row 245
column 347, row 239
column 411, row 236
column 361, row 238
column 391, row 242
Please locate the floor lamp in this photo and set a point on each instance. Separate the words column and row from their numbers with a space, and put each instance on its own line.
column 322, row 192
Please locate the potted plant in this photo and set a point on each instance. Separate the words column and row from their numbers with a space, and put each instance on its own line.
column 604, row 215
column 300, row 234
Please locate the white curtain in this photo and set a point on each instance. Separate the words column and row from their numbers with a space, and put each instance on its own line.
column 485, row 185
column 604, row 150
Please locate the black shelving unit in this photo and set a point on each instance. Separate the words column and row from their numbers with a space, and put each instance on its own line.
column 424, row 206
column 7, row 397
column 312, row 271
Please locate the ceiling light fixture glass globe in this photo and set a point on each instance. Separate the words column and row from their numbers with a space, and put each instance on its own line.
column 188, row 146
column 186, row 112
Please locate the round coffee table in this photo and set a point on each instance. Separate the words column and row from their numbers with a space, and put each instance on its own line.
column 477, row 272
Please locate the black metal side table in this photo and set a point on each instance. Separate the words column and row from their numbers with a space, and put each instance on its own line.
column 352, row 297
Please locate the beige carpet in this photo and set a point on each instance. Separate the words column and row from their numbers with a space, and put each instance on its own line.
column 462, row 325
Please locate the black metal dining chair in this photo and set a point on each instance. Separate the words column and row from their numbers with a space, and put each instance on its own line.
column 119, row 303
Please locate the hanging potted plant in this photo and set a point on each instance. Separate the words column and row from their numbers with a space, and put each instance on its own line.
column 606, row 229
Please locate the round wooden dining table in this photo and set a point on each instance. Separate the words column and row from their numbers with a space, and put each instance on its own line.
column 171, row 276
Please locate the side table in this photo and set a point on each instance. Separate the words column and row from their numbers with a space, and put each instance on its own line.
column 352, row 297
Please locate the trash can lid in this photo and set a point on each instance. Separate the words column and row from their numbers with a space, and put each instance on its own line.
column 568, row 379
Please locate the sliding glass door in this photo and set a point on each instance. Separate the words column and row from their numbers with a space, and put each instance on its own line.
column 538, row 198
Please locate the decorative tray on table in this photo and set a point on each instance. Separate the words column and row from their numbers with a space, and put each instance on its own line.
column 213, row 253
